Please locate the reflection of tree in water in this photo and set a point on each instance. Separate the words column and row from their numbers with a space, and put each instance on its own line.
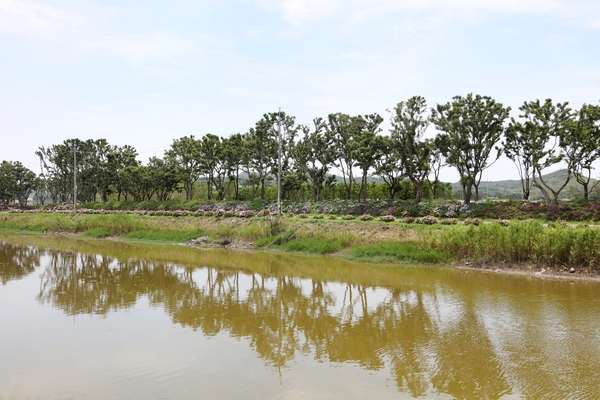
column 17, row 261
column 410, row 331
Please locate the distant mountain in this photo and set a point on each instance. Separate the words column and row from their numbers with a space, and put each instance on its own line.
column 511, row 189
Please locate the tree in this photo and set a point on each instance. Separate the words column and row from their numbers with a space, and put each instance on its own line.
column 519, row 145
column 136, row 180
column 164, row 178
column 314, row 154
column 389, row 167
column 550, row 134
column 409, row 124
column 368, row 147
column 280, row 121
column 587, row 150
column 472, row 127
column 17, row 182
column 262, row 150
column 437, row 162
column 341, row 129
column 185, row 153
column 121, row 158
column 234, row 154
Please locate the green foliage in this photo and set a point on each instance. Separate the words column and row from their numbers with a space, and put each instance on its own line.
column 16, row 183
column 471, row 127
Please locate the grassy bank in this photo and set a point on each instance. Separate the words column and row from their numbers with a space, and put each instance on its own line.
column 519, row 243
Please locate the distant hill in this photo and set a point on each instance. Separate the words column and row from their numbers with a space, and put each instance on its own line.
column 511, row 189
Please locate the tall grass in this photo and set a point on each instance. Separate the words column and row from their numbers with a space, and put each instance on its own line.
column 314, row 246
column 522, row 242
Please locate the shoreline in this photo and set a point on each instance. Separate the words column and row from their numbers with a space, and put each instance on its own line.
column 358, row 241
column 512, row 269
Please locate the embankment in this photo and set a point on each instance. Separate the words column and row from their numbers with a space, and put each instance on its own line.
column 520, row 244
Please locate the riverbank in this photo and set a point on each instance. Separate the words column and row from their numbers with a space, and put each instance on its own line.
column 517, row 246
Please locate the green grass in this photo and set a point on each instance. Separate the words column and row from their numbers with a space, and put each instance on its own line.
column 314, row 246
column 97, row 233
column 277, row 240
column 399, row 251
column 163, row 236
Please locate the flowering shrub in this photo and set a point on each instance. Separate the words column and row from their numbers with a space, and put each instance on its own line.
column 365, row 217
column 409, row 220
column 427, row 220
column 348, row 217
column 504, row 222
column 472, row 221
column 387, row 218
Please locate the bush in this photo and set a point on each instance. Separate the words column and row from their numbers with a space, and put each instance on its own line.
column 387, row 218
column 472, row 221
column 428, row 220
column 365, row 217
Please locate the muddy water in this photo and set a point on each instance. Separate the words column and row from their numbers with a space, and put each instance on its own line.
column 102, row 319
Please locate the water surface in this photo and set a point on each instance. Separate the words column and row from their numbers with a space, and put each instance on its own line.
column 102, row 319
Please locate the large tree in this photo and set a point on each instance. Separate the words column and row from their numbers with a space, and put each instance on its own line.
column 389, row 166
column 368, row 149
column 185, row 153
column 519, row 145
column 314, row 155
column 549, row 132
column 587, row 150
column 342, row 129
column 409, row 123
column 261, row 147
column 471, row 129
column 17, row 182
column 164, row 177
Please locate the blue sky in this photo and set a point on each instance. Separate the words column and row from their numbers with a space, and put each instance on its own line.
column 145, row 73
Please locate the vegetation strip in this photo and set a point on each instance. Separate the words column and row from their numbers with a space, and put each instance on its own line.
column 525, row 243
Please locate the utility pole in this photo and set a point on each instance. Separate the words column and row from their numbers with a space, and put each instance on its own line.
column 279, row 163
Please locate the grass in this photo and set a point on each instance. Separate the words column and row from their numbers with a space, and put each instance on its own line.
column 97, row 233
column 314, row 246
column 521, row 242
column 162, row 236
column 524, row 242
column 399, row 251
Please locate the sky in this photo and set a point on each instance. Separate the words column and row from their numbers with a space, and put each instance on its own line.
column 147, row 72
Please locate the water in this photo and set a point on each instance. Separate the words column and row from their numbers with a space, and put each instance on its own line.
column 101, row 319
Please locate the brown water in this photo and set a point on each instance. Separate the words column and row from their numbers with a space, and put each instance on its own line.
column 132, row 321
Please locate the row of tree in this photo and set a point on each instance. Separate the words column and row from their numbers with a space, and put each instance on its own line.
column 473, row 132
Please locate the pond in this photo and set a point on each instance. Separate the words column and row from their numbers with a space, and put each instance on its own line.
column 106, row 319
